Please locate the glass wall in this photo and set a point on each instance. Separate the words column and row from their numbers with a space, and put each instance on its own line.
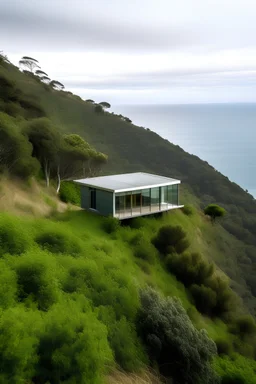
column 136, row 203
column 164, row 198
column 145, row 197
column 155, row 199
column 173, row 194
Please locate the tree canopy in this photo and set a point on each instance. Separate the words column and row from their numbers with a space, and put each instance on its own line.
column 105, row 104
column 214, row 211
column 29, row 63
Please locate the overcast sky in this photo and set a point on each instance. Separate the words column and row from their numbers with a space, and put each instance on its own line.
column 138, row 51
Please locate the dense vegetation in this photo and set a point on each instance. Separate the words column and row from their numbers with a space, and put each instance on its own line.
column 75, row 298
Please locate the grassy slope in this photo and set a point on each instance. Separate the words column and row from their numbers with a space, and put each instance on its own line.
column 104, row 250
column 132, row 148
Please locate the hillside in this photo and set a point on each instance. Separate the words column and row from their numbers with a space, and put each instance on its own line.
column 100, row 271
column 130, row 148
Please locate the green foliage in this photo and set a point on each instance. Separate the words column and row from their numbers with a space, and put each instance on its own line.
column 188, row 210
column 59, row 242
column 15, row 150
column 214, row 211
column 105, row 104
column 73, row 347
column 125, row 345
column 19, row 329
column 181, row 350
column 212, row 295
column 36, row 281
column 205, row 298
column 104, row 287
column 110, row 224
column 171, row 239
column 143, row 249
column 244, row 326
column 70, row 193
column 13, row 238
column 190, row 268
column 238, row 370
column 8, row 286
column 224, row 347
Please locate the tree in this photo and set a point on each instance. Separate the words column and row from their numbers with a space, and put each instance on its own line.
column 45, row 79
column 77, row 158
column 105, row 105
column 181, row 351
column 214, row 211
column 56, row 85
column 3, row 58
column 40, row 73
column 90, row 101
column 46, row 141
column 29, row 63
column 15, row 150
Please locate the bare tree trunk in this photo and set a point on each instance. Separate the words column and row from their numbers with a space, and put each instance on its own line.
column 59, row 181
column 47, row 173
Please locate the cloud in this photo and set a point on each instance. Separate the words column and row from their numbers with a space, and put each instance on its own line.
column 165, row 80
column 141, row 46
column 62, row 28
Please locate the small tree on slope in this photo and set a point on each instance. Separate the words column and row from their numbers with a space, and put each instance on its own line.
column 214, row 211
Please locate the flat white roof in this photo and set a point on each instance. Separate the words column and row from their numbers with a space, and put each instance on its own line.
column 127, row 181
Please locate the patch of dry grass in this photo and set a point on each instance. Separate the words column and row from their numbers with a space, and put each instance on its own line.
column 147, row 377
column 32, row 199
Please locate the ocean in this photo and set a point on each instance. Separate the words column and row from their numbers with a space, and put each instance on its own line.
column 224, row 135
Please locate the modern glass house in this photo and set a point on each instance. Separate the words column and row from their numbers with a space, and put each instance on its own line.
column 129, row 195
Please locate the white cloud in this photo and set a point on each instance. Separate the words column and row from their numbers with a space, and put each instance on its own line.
column 143, row 51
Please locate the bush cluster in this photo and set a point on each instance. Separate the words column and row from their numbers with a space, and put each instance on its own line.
column 70, row 193
column 110, row 224
column 143, row 248
column 212, row 295
column 58, row 242
column 235, row 370
column 188, row 210
column 13, row 238
column 182, row 352
column 171, row 239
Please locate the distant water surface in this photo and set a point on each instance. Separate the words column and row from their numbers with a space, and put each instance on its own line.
column 222, row 134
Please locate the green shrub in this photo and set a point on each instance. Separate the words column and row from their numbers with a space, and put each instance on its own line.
column 110, row 224
column 59, row 242
column 70, row 193
column 19, row 337
column 182, row 352
column 188, row 210
column 244, row 326
column 36, row 282
column 73, row 347
column 236, row 370
column 126, row 346
column 204, row 297
column 189, row 268
column 170, row 239
column 143, row 249
column 8, row 286
column 226, row 299
column 104, row 287
column 13, row 238
column 224, row 347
